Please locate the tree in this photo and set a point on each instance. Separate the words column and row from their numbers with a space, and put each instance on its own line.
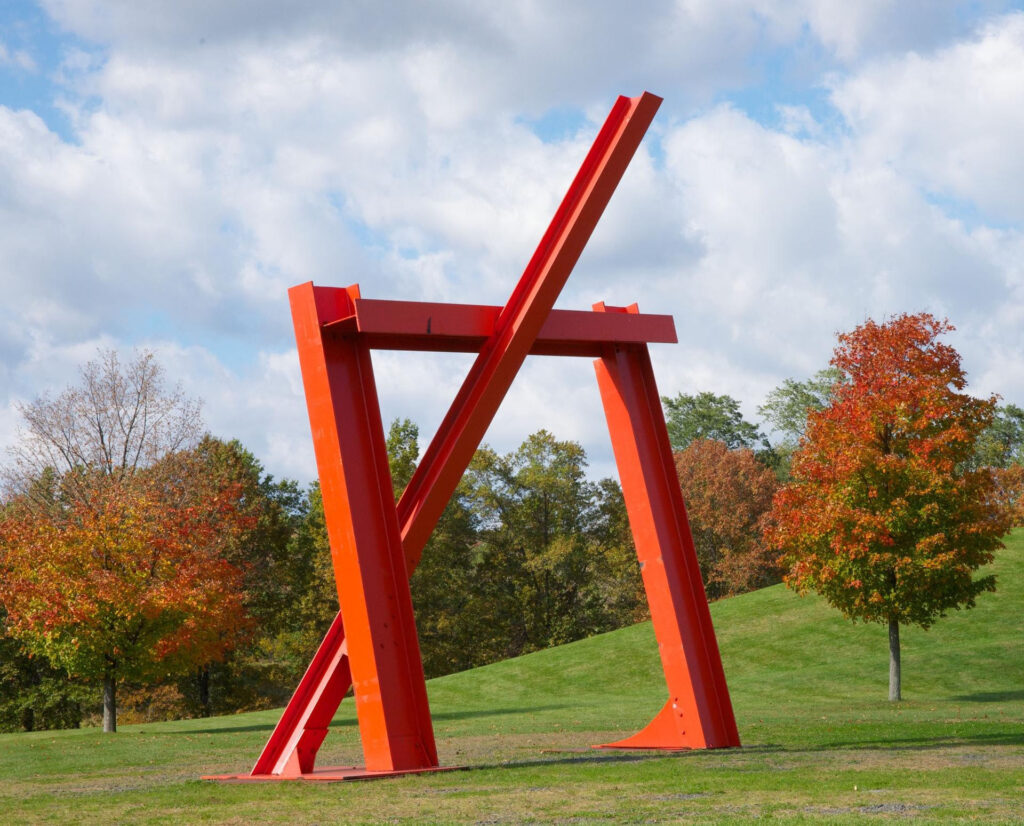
column 617, row 570
column 33, row 694
column 728, row 495
column 786, row 408
column 442, row 582
column 275, row 577
column 102, row 489
column 317, row 602
column 1001, row 444
column 1010, row 482
column 707, row 416
column 403, row 451
column 528, row 553
column 126, row 585
column 533, row 506
column 443, row 587
column 883, row 517
column 1001, row 448
column 548, row 565
column 115, row 422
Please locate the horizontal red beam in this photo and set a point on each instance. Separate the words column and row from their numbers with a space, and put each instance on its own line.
column 463, row 328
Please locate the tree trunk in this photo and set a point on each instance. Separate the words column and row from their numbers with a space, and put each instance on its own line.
column 203, row 689
column 894, row 661
column 109, row 702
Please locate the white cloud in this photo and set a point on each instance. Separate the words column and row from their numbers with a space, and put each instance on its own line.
column 952, row 121
column 17, row 58
column 262, row 406
column 869, row 27
column 225, row 151
column 802, row 235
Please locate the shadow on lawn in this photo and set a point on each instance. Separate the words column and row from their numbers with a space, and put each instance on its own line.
column 1008, row 738
column 588, row 757
column 350, row 721
column 991, row 697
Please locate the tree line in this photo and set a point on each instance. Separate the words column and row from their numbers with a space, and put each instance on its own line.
column 161, row 570
column 150, row 568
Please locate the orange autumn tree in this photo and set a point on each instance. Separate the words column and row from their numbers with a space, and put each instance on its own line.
column 129, row 585
column 884, row 517
column 728, row 495
column 114, row 532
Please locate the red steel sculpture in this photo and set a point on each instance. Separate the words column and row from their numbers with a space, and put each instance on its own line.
column 376, row 545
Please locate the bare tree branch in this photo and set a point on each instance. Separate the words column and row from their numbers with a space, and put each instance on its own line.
column 117, row 420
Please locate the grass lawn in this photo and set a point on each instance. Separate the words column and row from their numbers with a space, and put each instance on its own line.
column 821, row 742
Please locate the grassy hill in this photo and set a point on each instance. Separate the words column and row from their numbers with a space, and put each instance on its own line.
column 821, row 742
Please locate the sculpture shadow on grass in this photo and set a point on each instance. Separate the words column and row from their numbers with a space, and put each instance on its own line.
column 906, row 744
column 219, row 728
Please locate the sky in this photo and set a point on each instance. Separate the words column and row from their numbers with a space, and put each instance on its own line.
column 169, row 170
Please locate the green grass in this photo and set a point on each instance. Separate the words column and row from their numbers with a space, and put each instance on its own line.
column 821, row 742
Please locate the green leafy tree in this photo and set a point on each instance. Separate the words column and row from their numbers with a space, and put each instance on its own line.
column 707, row 416
column 442, row 582
column 272, row 666
column 883, row 517
column 442, row 591
column 1001, row 444
column 542, row 572
column 617, row 571
column 527, row 553
column 318, row 602
column 403, row 451
column 786, row 407
column 34, row 695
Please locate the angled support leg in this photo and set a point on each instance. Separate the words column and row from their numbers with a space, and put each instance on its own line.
column 698, row 713
column 291, row 750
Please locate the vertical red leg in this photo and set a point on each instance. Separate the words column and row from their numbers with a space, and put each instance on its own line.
column 362, row 526
column 698, row 713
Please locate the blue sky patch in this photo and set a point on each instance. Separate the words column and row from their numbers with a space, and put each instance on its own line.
column 556, row 125
column 34, row 50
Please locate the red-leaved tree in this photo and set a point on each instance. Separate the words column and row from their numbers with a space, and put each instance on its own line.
column 883, row 517
column 130, row 584
column 728, row 495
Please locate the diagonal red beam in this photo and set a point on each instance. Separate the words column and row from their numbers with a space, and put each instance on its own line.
column 463, row 428
column 295, row 740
